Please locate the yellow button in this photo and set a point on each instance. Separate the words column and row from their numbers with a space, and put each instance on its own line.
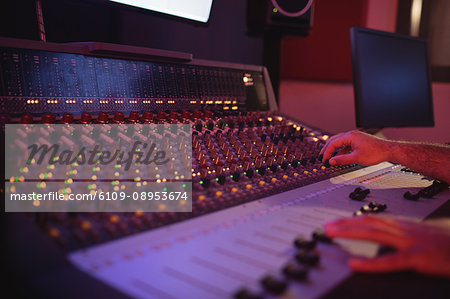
column 138, row 213
column 323, row 167
column 315, row 170
column 202, row 197
column 262, row 183
column 285, row 176
column 114, row 219
column 305, row 172
column 295, row 174
column 274, row 180
column 248, row 186
column 218, row 193
column 234, row 190
column 53, row 232
column 85, row 225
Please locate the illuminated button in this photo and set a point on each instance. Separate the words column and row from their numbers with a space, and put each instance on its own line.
column 305, row 172
column 85, row 225
column 114, row 219
column 138, row 213
column 323, row 167
column 54, row 233
column 234, row 190
column 262, row 183
column 274, row 180
column 315, row 170
column 285, row 176
column 295, row 174
column 248, row 186
column 219, row 193
column 201, row 197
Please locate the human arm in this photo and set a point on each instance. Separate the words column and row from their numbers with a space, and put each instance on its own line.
column 423, row 247
column 431, row 160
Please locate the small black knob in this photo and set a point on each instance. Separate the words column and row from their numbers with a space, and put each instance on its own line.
column 319, row 236
column 302, row 243
column 236, row 176
column 246, row 294
column 296, row 272
column 221, row 179
column 262, row 170
column 308, row 258
column 273, row 285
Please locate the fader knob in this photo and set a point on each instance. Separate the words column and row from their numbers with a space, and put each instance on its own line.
column 147, row 116
column 26, row 119
column 273, row 285
column 296, row 272
column 319, row 236
column 67, row 118
column 133, row 117
column 161, row 115
column 85, row 118
column 207, row 113
column 185, row 114
column 302, row 243
column 197, row 114
column 173, row 115
column 102, row 117
column 246, row 294
column 48, row 118
column 308, row 258
column 118, row 117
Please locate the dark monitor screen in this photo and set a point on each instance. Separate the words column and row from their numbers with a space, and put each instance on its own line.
column 391, row 80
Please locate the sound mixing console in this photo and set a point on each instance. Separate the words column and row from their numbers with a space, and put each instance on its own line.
column 259, row 189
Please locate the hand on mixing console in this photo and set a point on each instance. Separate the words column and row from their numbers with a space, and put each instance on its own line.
column 423, row 247
column 356, row 147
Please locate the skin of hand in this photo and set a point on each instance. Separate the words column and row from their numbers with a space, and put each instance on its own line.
column 355, row 147
column 366, row 149
column 420, row 246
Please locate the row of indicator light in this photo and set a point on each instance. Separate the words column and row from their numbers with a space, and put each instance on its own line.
column 209, row 102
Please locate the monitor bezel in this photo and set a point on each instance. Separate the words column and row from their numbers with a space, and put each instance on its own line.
column 354, row 31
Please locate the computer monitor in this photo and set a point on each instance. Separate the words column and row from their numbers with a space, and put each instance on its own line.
column 392, row 81
column 197, row 10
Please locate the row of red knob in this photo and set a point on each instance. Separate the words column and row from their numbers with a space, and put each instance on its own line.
column 119, row 117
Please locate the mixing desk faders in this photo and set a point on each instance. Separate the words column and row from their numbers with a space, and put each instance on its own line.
column 260, row 193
